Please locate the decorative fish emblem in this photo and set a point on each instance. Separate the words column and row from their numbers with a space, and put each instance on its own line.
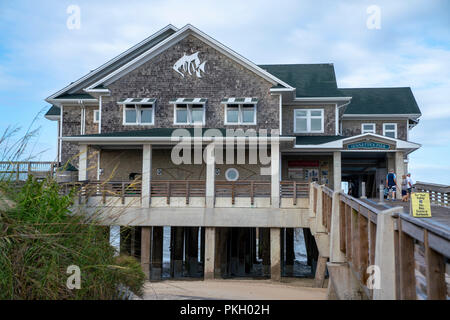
column 190, row 65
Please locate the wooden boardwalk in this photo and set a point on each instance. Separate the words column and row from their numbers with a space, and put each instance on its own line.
column 440, row 219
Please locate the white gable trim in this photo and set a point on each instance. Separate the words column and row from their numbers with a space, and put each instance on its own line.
column 110, row 62
column 173, row 39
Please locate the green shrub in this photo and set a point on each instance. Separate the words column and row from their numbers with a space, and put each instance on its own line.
column 40, row 238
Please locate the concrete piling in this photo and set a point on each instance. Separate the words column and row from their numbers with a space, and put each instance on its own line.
column 157, row 253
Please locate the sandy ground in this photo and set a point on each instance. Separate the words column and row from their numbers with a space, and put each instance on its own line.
column 294, row 289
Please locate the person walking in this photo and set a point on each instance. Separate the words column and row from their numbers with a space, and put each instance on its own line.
column 391, row 184
column 404, row 188
column 410, row 184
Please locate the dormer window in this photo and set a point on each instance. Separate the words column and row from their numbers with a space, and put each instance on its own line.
column 189, row 111
column 240, row 111
column 308, row 121
column 137, row 111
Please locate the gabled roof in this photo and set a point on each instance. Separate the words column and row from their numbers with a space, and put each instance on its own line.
column 310, row 80
column 117, row 62
column 175, row 38
column 374, row 101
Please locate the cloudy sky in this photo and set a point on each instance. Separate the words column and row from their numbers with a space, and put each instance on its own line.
column 39, row 54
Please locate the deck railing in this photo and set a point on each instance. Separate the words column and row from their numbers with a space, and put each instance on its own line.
column 190, row 188
column 436, row 241
column 367, row 236
column 19, row 170
column 439, row 193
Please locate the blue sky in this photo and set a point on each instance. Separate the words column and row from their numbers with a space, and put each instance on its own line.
column 39, row 54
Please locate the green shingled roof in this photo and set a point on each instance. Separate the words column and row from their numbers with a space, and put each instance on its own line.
column 53, row 111
column 306, row 140
column 310, row 80
column 381, row 101
column 75, row 96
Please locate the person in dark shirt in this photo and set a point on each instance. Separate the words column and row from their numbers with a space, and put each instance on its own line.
column 391, row 184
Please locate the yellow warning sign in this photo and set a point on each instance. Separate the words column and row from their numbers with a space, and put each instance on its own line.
column 420, row 205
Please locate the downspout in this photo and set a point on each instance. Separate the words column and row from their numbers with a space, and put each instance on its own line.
column 60, row 133
column 337, row 115
column 100, row 114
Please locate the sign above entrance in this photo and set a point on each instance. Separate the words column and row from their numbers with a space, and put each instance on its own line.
column 300, row 163
column 189, row 64
column 368, row 145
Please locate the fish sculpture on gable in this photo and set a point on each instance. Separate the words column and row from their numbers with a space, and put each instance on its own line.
column 189, row 64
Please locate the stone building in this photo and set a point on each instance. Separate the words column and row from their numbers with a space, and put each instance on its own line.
column 254, row 137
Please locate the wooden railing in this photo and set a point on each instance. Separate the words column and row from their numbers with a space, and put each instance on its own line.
column 19, row 170
column 370, row 236
column 439, row 194
column 191, row 188
column 104, row 189
column 182, row 188
column 436, row 241
column 357, row 236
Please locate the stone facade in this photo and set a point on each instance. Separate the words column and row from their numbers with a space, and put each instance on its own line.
column 353, row 127
column 71, row 127
column 223, row 78
column 329, row 119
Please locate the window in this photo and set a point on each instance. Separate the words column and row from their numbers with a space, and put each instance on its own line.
column 308, row 120
column 189, row 114
column 240, row 114
column 232, row 174
column 138, row 114
column 96, row 116
column 368, row 128
column 390, row 130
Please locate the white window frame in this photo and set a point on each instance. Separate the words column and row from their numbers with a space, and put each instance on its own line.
column 308, row 120
column 137, row 107
column 240, row 107
column 372, row 124
column 390, row 130
column 96, row 112
column 189, row 114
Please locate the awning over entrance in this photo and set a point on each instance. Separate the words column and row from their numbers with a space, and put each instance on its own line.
column 368, row 142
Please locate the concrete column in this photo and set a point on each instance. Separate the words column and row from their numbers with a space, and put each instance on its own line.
column 399, row 171
column 177, row 251
column 145, row 250
column 210, row 175
column 192, row 250
column 157, row 253
column 275, row 173
column 210, row 246
column 146, row 174
column 82, row 163
column 363, row 190
column 275, row 254
column 264, row 248
column 337, row 170
column 385, row 255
